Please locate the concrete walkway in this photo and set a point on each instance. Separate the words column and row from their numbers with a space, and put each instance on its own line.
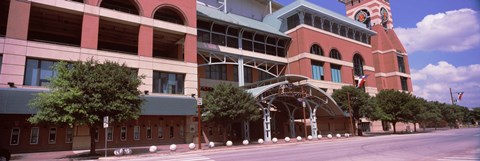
column 161, row 150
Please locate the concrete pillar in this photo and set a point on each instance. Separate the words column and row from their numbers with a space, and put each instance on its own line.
column 145, row 41
column 90, row 27
column 18, row 17
column 190, row 48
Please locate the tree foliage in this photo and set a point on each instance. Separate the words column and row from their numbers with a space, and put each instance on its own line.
column 228, row 104
column 394, row 106
column 359, row 102
column 84, row 92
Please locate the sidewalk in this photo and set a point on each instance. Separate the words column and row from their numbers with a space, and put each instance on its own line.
column 161, row 150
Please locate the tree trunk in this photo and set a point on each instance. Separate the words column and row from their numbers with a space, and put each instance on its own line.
column 424, row 126
column 359, row 131
column 394, row 128
column 92, row 140
column 415, row 127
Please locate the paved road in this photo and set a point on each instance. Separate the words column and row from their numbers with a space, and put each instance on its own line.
column 457, row 145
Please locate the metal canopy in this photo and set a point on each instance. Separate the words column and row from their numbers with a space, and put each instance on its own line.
column 291, row 93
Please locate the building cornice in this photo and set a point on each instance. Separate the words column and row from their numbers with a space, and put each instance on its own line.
column 327, row 33
column 391, row 74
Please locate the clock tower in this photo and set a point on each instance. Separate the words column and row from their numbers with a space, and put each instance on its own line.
column 370, row 12
column 390, row 57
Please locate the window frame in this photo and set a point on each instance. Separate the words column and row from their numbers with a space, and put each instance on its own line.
column 123, row 133
column 17, row 134
column 37, row 135
column 160, row 133
column 333, row 68
column 320, row 73
column 68, row 135
column 110, row 133
column 148, row 133
column 158, row 85
column 54, row 134
column 136, row 132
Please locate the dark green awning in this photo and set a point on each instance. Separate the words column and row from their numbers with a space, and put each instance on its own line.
column 15, row 101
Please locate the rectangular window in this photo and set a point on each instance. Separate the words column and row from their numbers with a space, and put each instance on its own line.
column 293, row 21
column 52, row 135
column 172, row 132
column 110, row 134
column 69, row 135
column 216, row 72
column 317, row 71
column 160, row 132
column 182, row 131
column 34, row 135
column 136, row 133
column 336, row 73
column 403, row 80
column 15, row 135
column 123, row 133
column 97, row 135
column 38, row 72
column 401, row 64
column 149, row 132
column 168, row 83
column 247, row 74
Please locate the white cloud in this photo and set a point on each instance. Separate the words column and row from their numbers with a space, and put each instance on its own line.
column 434, row 80
column 452, row 31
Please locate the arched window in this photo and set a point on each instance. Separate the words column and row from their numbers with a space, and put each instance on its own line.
column 316, row 49
column 335, row 54
column 169, row 14
column 127, row 6
column 358, row 64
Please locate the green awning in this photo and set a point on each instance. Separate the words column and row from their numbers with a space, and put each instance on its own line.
column 15, row 101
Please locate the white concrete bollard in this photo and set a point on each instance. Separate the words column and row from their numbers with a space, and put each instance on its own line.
column 152, row 149
column 319, row 136
column 127, row 151
column 211, row 144
column 309, row 137
column 347, row 135
column 118, row 152
column 229, row 143
column 245, row 142
column 329, row 136
column 191, row 146
column 274, row 140
column 339, row 136
column 299, row 138
column 260, row 141
column 287, row 139
column 173, row 147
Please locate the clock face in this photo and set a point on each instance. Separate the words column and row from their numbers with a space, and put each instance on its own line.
column 384, row 15
column 361, row 16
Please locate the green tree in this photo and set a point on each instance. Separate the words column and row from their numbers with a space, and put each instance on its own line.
column 432, row 114
column 416, row 111
column 393, row 105
column 228, row 104
column 476, row 113
column 359, row 102
column 84, row 92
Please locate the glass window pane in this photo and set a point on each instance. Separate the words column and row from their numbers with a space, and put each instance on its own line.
column 52, row 136
column 110, row 134
column 14, row 138
column 31, row 73
column 69, row 135
column 160, row 132
column 34, row 135
column 136, row 133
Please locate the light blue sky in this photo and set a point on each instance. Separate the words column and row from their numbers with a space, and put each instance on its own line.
column 444, row 49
